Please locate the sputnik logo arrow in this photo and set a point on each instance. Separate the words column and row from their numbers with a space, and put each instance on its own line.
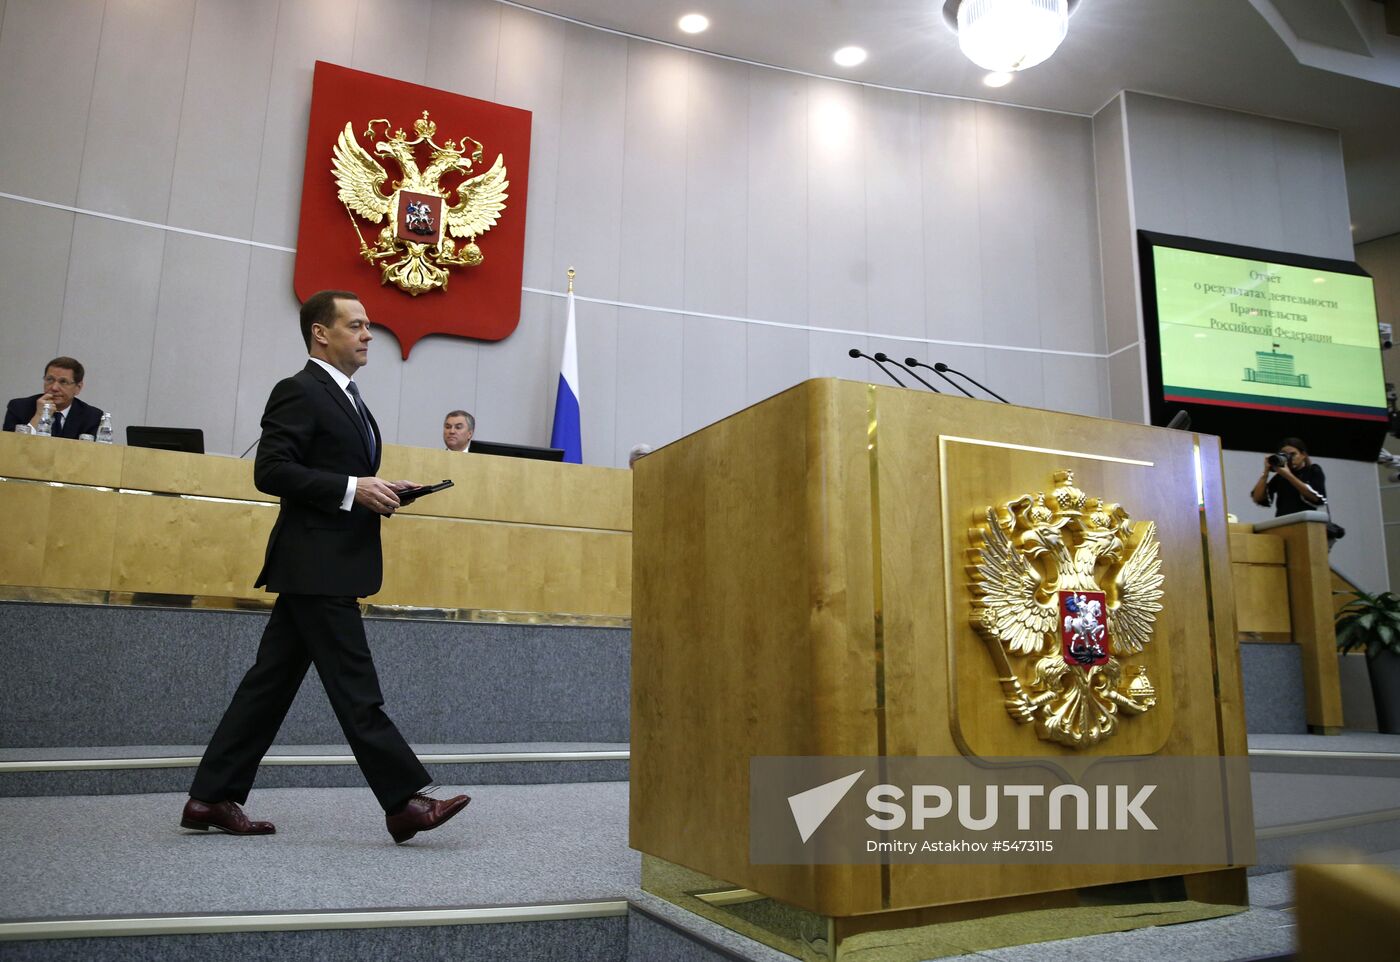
column 810, row 808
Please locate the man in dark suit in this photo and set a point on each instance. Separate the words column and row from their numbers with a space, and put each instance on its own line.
column 319, row 452
column 63, row 381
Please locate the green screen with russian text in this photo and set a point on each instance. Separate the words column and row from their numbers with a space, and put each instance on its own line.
column 1247, row 333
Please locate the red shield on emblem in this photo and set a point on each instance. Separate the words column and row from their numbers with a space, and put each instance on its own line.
column 479, row 299
column 419, row 217
column 1084, row 627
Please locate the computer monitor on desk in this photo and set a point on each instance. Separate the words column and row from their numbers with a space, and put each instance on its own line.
column 501, row 449
column 190, row 440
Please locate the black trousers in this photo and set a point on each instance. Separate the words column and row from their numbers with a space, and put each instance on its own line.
column 328, row 632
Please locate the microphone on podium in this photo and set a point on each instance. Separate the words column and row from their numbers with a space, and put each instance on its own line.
column 882, row 357
column 251, row 446
column 888, row 373
column 915, row 362
column 942, row 368
column 1181, row 421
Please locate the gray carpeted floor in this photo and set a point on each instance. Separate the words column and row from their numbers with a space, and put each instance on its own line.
column 521, row 844
column 515, row 844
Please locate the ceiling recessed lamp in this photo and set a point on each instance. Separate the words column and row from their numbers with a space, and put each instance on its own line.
column 694, row 23
column 1004, row 36
column 998, row 79
column 849, row 56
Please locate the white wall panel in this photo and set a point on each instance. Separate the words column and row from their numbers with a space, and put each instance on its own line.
column 1126, row 385
column 134, row 119
column 776, row 232
column 952, row 232
column 652, row 253
column 33, row 276
column 109, row 313
column 589, row 193
column 1018, row 376
column 1313, row 191
column 837, row 258
column 828, row 356
column 531, row 77
column 1117, row 243
column 894, row 214
column 649, row 349
column 272, row 345
column 511, row 372
column 776, row 360
column 714, row 367
column 1069, row 289
column 199, row 338
column 717, row 197
column 222, row 116
column 307, row 31
column 390, row 38
column 50, row 105
column 1006, row 165
column 1074, row 384
column 464, row 40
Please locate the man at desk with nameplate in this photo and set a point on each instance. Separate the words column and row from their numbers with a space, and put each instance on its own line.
column 63, row 381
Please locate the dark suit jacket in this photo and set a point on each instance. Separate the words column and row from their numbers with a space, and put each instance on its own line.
column 80, row 418
column 311, row 443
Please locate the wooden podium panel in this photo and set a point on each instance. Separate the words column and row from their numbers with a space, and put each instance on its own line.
column 800, row 588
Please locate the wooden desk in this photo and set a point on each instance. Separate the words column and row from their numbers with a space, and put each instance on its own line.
column 1283, row 593
column 511, row 536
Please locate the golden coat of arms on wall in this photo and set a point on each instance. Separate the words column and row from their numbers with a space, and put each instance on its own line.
column 413, row 250
column 1066, row 589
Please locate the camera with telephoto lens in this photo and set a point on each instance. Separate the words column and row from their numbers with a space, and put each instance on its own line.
column 1279, row 460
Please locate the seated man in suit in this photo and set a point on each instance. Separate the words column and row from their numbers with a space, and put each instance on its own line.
column 63, row 382
column 457, row 430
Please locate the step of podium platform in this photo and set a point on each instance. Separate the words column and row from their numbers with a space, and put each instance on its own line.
column 110, row 675
column 142, row 769
column 525, row 872
column 1316, row 794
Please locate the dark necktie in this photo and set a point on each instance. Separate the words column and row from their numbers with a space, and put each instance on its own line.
column 364, row 418
column 58, row 424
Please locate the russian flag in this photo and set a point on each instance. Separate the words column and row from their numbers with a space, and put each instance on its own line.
column 566, row 433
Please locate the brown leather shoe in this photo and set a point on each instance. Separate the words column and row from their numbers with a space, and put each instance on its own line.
column 423, row 814
column 222, row 817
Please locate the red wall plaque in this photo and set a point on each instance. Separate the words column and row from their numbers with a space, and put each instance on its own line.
column 481, row 302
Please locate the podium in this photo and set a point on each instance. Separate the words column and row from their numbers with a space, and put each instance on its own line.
column 806, row 583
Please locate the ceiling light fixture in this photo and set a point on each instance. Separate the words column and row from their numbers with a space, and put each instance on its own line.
column 1004, row 36
column 998, row 79
column 694, row 23
column 849, row 56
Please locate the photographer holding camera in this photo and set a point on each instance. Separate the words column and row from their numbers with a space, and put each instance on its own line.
column 1297, row 484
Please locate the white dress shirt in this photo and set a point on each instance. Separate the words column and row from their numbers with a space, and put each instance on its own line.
column 343, row 383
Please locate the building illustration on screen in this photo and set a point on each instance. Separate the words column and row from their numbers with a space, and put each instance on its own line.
column 1271, row 367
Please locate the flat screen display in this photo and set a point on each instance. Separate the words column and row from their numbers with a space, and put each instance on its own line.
column 1257, row 345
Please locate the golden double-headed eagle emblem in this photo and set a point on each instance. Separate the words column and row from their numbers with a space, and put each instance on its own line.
column 413, row 250
column 1065, row 590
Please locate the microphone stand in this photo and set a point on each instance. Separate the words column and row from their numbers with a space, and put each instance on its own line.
column 940, row 367
column 888, row 373
column 881, row 356
column 915, row 362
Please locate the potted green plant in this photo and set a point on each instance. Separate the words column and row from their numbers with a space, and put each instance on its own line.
column 1372, row 622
